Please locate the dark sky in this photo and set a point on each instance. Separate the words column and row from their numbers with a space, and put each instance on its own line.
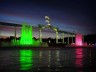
column 68, row 15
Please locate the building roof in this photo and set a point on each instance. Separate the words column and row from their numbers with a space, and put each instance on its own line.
column 19, row 25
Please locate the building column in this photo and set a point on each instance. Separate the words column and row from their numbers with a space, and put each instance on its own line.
column 63, row 38
column 68, row 39
column 0, row 32
column 15, row 33
column 56, row 36
column 72, row 38
column 40, row 35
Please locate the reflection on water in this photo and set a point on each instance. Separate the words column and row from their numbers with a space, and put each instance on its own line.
column 65, row 59
column 79, row 57
column 26, row 59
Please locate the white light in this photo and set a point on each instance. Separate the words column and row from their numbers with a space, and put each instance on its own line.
column 49, row 41
column 48, row 24
column 47, row 17
column 92, row 44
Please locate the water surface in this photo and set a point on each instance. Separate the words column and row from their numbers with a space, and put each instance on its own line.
column 48, row 60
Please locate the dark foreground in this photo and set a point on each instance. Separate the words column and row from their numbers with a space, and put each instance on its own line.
column 53, row 59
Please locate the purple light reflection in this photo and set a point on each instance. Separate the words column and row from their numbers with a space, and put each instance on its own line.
column 79, row 57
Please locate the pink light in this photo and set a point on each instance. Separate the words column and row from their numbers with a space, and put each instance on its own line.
column 78, row 39
column 79, row 57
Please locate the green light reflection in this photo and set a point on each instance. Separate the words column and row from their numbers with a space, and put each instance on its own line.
column 26, row 59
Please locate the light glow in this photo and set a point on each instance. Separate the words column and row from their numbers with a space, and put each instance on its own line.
column 78, row 39
column 79, row 57
column 26, row 59
column 26, row 37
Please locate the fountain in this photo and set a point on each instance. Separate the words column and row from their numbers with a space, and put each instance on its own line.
column 78, row 40
column 26, row 35
column 26, row 38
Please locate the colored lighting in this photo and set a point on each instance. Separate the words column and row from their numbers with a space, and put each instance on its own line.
column 78, row 39
column 26, row 59
column 79, row 57
column 26, row 37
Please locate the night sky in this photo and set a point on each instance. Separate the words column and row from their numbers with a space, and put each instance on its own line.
column 77, row 16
